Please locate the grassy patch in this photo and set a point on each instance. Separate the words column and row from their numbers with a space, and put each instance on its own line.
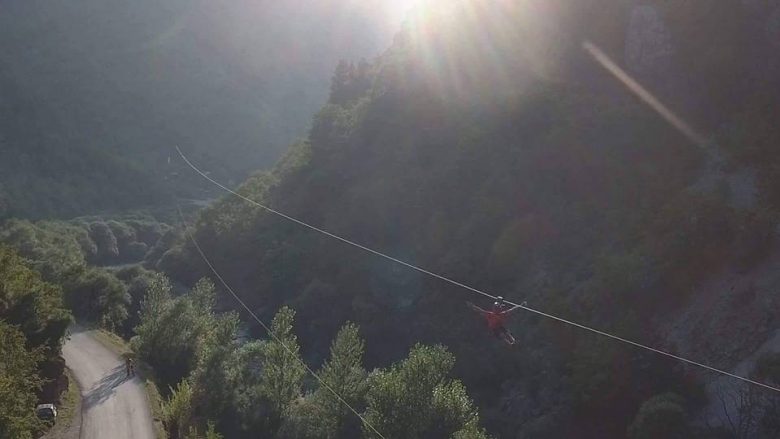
column 71, row 401
column 155, row 402
column 112, row 341
column 145, row 372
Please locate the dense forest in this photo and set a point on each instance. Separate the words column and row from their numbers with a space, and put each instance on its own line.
column 483, row 144
column 96, row 93
column 487, row 146
column 261, row 386
column 33, row 321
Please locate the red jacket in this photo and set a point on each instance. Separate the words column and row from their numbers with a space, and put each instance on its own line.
column 495, row 319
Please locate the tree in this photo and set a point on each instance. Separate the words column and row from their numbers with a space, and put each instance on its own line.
column 245, row 375
column 29, row 302
column 18, row 384
column 322, row 414
column 211, row 433
column 268, row 375
column 343, row 373
column 36, row 309
column 749, row 411
column 137, row 280
column 340, row 83
column 156, row 303
column 303, row 421
column 107, row 246
column 177, row 410
column 283, row 371
column 53, row 249
column 661, row 416
column 415, row 399
column 98, row 295
column 211, row 379
column 171, row 330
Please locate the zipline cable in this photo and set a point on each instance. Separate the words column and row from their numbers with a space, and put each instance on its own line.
column 472, row 289
column 268, row 329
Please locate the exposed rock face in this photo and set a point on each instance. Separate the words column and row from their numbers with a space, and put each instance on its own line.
column 728, row 317
column 649, row 48
column 729, row 322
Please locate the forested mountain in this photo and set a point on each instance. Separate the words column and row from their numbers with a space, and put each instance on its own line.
column 487, row 146
column 93, row 94
column 487, row 143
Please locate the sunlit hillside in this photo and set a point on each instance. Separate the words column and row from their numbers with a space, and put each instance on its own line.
column 486, row 219
column 96, row 93
column 488, row 146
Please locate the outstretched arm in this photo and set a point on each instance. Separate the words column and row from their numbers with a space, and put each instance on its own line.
column 476, row 308
column 511, row 310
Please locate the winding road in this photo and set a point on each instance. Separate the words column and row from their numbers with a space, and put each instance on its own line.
column 113, row 405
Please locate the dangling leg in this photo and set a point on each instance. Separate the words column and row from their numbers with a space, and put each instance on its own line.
column 507, row 336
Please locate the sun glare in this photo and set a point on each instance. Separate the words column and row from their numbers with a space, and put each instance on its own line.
column 398, row 10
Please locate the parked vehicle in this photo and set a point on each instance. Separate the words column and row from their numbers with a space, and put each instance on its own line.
column 46, row 412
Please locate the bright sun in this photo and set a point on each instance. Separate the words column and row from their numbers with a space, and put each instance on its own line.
column 399, row 9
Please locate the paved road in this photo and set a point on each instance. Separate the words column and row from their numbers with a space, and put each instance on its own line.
column 113, row 406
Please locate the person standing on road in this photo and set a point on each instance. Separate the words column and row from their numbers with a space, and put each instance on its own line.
column 130, row 365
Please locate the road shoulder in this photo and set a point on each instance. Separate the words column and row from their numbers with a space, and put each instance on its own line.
column 68, row 425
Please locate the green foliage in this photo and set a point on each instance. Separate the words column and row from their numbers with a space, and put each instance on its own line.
column 55, row 249
column 137, row 280
column 321, row 414
column 171, row 329
column 661, row 416
column 99, row 294
column 33, row 322
column 18, row 383
column 103, row 237
column 531, row 177
column 213, row 387
column 211, row 433
column 245, row 369
column 304, row 420
column 64, row 253
column 186, row 343
column 258, row 386
column 350, row 82
column 415, row 399
column 84, row 145
column 343, row 373
column 282, row 376
column 178, row 410
column 29, row 302
column 534, row 187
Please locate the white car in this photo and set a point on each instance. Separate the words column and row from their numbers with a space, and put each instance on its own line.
column 46, row 411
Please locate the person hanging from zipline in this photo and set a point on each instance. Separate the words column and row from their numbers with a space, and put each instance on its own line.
column 496, row 318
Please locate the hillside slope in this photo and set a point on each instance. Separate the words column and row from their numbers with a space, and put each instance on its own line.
column 487, row 146
column 95, row 93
